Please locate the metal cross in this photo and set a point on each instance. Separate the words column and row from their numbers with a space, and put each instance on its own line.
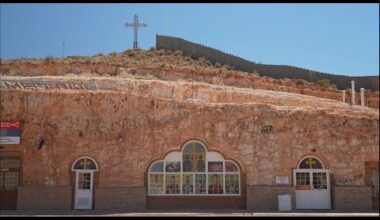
column 135, row 25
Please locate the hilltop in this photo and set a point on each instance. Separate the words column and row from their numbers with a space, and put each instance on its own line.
column 170, row 66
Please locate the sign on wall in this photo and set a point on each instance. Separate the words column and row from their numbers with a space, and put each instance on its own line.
column 282, row 180
column 9, row 132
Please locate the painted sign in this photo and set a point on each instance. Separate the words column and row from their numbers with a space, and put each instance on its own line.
column 9, row 132
column 42, row 84
column 282, row 180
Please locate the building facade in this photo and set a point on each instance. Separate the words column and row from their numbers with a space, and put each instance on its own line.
column 126, row 151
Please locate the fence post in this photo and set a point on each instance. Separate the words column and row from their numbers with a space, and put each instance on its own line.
column 353, row 92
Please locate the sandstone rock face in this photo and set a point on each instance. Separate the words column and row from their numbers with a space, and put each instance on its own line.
column 150, row 65
column 154, row 117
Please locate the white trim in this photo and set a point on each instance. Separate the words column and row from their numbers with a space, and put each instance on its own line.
column 299, row 163
column 93, row 160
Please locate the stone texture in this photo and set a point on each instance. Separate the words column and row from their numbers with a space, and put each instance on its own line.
column 265, row 198
column 120, row 199
column 150, row 65
column 154, row 118
column 352, row 198
column 52, row 198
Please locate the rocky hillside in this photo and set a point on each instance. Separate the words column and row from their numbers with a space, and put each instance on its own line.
column 172, row 67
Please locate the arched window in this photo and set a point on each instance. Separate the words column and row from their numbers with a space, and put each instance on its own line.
column 84, row 163
column 194, row 171
column 310, row 163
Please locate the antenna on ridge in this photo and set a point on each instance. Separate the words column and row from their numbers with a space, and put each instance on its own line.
column 64, row 44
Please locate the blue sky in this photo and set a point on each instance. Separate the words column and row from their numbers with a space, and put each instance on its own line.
column 333, row 38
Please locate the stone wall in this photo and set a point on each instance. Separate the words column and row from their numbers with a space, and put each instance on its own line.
column 120, row 198
column 44, row 198
column 352, row 198
column 76, row 123
column 265, row 198
column 126, row 131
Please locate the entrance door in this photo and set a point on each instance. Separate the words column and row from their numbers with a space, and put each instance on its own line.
column 84, row 168
column 9, row 181
column 83, row 190
column 312, row 188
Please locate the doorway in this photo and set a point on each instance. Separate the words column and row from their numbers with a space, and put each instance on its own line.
column 9, row 181
column 84, row 169
column 312, row 185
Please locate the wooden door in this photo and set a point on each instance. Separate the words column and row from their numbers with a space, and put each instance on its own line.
column 9, row 181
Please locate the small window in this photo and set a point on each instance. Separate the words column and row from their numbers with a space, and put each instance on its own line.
column 303, row 181
column 215, row 166
column 310, row 163
column 172, row 183
column 172, row 166
column 85, row 164
column 157, row 167
column 230, row 167
column 193, row 158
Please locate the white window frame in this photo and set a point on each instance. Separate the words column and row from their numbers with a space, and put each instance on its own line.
column 181, row 173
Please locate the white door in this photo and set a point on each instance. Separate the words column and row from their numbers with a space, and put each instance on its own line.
column 83, row 190
column 312, row 188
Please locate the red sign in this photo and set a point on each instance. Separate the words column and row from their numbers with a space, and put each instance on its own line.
column 10, row 125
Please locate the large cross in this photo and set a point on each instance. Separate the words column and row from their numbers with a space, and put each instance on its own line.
column 135, row 25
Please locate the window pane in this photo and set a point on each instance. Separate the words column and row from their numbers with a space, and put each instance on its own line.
column 157, row 167
column 310, row 163
column 11, row 180
column 172, row 183
column 194, row 158
column 84, row 181
column 156, row 184
column 187, row 163
column 200, row 183
column 231, row 167
column 187, row 184
column 215, row 166
column 215, row 184
column 200, row 167
column 319, row 180
column 303, row 181
column 188, row 148
column 85, row 164
column 232, row 183
column 10, row 163
column 199, row 148
column 172, row 166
